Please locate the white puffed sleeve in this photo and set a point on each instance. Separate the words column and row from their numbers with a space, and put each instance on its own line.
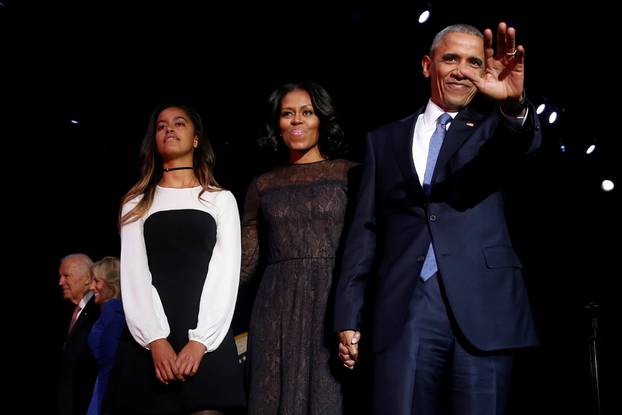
column 223, row 276
column 143, row 309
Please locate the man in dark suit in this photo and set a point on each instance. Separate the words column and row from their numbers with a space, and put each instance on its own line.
column 450, row 304
column 78, row 366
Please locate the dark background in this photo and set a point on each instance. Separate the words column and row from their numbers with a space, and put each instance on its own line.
column 107, row 64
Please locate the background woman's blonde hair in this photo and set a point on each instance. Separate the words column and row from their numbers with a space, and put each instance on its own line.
column 108, row 269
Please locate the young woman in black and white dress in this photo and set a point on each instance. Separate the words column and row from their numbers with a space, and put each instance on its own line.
column 180, row 262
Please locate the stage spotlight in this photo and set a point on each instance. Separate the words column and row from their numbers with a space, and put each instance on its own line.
column 75, row 122
column 590, row 149
column 546, row 110
column 424, row 16
column 562, row 148
column 607, row 185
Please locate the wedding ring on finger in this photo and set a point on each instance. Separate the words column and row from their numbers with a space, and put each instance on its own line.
column 511, row 53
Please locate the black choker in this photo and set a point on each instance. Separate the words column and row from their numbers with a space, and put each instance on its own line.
column 177, row 168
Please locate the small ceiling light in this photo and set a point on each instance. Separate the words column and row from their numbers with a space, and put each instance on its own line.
column 607, row 185
column 424, row 16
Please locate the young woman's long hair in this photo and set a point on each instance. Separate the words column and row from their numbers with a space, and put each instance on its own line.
column 151, row 164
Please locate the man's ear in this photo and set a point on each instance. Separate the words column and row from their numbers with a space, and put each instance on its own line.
column 426, row 62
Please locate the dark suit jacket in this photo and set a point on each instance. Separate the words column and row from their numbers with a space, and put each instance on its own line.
column 464, row 216
column 78, row 366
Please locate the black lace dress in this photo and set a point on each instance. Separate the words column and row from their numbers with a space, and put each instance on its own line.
column 293, row 218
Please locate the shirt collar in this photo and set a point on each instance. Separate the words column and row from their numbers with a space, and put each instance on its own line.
column 85, row 299
column 432, row 112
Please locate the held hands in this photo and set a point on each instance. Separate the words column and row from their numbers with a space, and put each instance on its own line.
column 164, row 358
column 349, row 347
column 170, row 366
column 504, row 70
column 189, row 358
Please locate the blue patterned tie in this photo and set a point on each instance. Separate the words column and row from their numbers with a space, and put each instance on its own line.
column 429, row 265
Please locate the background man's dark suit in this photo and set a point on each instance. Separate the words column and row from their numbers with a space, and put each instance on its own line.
column 78, row 366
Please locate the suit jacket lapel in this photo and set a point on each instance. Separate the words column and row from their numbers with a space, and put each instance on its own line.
column 84, row 316
column 402, row 144
column 460, row 129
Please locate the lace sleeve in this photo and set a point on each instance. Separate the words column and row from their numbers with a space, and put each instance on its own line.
column 250, row 233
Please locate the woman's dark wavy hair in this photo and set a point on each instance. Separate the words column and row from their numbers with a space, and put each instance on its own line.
column 331, row 141
column 151, row 163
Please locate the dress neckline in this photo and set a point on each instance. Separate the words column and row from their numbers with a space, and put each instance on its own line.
column 177, row 188
column 310, row 163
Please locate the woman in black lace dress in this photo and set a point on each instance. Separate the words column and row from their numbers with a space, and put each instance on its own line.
column 293, row 219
